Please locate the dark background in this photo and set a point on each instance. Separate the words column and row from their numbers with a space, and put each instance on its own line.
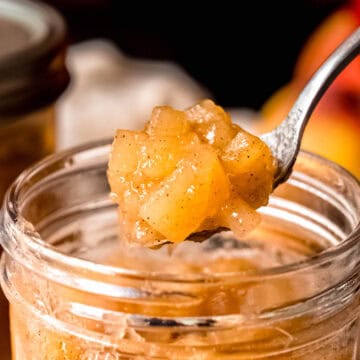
column 241, row 53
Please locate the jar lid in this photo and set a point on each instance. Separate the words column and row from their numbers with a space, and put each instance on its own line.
column 32, row 56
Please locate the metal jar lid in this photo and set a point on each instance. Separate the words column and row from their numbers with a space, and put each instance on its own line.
column 32, row 56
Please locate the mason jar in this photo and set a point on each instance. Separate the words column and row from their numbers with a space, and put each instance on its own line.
column 32, row 77
column 289, row 290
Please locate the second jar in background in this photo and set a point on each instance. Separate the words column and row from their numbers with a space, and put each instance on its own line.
column 32, row 77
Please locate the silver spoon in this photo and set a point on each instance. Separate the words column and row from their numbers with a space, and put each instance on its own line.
column 284, row 141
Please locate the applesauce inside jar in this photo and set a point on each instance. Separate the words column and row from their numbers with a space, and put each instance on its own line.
column 289, row 290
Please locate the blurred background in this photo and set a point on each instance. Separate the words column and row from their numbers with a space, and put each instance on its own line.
column 241, row 53
column 256, row 56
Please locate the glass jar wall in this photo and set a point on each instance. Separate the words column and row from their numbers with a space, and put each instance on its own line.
column 288, row 291
column 32, row 77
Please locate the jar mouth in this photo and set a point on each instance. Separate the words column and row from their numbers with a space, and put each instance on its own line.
column 15, row 223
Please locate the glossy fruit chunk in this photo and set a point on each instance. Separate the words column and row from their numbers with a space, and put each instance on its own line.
column 188, row 171
column 212, row 123
column 183, row 200
column 250, row 166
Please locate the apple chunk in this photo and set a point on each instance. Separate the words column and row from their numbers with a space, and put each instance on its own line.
column 239, row 216
column 250, row 166
column 125, row 151
column 181, row 203
column 166, row 121
column 212, row 123
column 188, row 171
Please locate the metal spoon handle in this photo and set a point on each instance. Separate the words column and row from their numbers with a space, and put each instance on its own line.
column 284, row 141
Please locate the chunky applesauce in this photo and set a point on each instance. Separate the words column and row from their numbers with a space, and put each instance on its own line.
column 186, row 172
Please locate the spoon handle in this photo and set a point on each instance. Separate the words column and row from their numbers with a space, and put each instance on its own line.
column 284, row 141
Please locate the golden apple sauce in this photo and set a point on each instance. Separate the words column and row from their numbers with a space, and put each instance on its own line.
column 186, row 161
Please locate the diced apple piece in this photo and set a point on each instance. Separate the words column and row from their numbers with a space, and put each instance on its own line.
column 133, row 228
column 136, row 230
column 212, row 123
column 118, row 185
column 166, row 121
column 180, row 204
column 159, row 156
column 130, row 201
column 253, row 187
column 220, row 189
column 125, row 151
column 189, row 140
column 218, row 134
column 207, row 111
column 249, row 163
column 210, row 223
column 129, row 205
column 239, row 216
column 124, row 160
column 246, row 153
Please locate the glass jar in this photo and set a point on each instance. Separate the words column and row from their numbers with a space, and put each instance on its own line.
column 77, row 292
column 32, row 77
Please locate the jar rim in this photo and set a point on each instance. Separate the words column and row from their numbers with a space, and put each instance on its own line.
column 33, row 241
